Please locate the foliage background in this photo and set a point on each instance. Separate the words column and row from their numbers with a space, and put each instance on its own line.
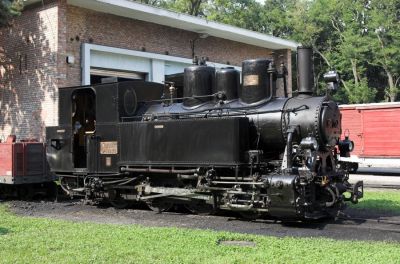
column 358, row 38
column 8, row 9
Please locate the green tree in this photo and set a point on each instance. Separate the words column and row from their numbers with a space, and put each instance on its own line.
column 385, row 29
column 351, row 24
column 151, row 2
column 277, row 17
column 191, row 7
column 311, row 21
column 356, row 37
column 9, row 9
column 272, row 17
column 337, row 29
column 241, row 13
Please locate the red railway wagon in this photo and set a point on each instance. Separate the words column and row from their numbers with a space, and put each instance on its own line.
column 375, row 130
column 23, row 168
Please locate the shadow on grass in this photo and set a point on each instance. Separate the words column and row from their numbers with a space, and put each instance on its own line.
column 3, row 231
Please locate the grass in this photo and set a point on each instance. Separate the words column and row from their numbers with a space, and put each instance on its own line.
column 32, row 240
column 380, row 201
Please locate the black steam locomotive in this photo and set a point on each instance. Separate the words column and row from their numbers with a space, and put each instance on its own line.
column 223, row 145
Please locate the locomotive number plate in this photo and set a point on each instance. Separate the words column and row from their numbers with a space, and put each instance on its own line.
column 109, row 147
column 250, row 80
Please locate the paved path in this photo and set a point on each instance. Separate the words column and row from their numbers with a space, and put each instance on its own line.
column 379, row 171
column 377, row 176
column 373, row 180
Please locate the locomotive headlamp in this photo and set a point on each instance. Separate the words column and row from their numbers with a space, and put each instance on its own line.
column 332, row 78
column 351, row 145
column 346, row 145
column 309, row 143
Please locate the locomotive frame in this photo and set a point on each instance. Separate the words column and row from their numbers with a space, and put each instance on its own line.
column 222, row 146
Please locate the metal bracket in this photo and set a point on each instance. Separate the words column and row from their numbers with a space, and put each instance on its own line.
column 358, row 192
column 56, row 143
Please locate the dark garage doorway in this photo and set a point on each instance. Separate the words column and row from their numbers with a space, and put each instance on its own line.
column 97, row 74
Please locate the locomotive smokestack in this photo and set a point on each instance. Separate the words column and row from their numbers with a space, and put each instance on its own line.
column 305, row 70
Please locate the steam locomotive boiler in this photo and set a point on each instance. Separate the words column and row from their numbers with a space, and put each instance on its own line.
column 222, row 146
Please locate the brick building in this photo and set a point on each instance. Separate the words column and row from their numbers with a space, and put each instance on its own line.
column 70, row 42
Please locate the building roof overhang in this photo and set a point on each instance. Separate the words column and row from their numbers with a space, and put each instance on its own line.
column 134, row 10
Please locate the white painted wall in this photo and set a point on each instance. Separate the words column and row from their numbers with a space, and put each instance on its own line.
column 119, row 62
column 155, row 65
column 157, row 73
column 174, row 67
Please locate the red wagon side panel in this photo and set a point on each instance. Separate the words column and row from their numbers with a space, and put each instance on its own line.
column 374, row 128
column 23, row 163
column 382, row 132
column 6, row 155
column 352, row 124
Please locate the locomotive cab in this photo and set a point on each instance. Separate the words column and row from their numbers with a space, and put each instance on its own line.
column 83, row 121
column 85, row 141
column 67, row 143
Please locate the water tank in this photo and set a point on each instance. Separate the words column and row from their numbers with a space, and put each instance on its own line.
column 227, row 80
column 255, row 81
column 198, row 80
